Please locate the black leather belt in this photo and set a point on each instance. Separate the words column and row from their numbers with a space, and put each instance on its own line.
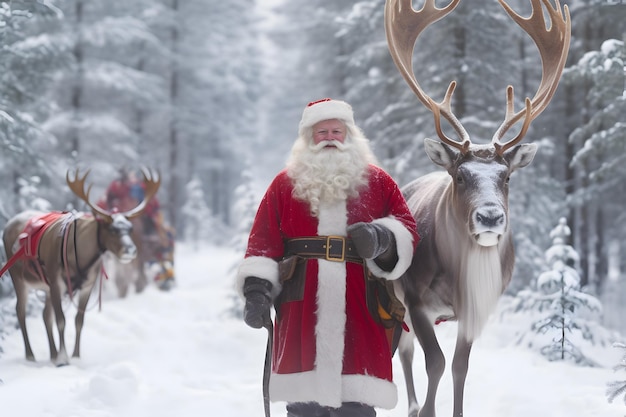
column 331, row 248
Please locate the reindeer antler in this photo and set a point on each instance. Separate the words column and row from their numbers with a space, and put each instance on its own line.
column 152, row 180
column 553, row 45
column 403, row 25
column 77, row 185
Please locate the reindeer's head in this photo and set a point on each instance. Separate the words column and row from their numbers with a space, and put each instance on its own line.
column 116, row 230
column 480, row 173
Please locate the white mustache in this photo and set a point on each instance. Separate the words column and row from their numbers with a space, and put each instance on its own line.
column 342, row 146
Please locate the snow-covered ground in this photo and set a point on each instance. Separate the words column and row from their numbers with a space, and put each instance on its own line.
column 181, row 353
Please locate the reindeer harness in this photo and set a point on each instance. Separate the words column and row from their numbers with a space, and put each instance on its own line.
column 30, row 238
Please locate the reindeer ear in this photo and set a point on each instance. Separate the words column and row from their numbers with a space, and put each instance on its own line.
column 520, row 156
column 440, row 153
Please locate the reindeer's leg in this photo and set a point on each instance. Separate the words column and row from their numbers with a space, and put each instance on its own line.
column 460, row 365
column 122, row 289
column 141, row 279
column 55, row 299
column 123, row 275
column 21, row 292
column 79, row 321
column 48, row 319
column 80, row 317
column 406, row 349
column 433, row 356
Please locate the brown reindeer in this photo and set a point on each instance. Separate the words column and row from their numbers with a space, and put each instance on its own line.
column 149, row 234
column 61, row 253
column 146, row 266
column 465, row 257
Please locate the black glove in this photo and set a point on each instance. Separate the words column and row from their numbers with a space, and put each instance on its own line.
column 258, row 301
column 370, row 239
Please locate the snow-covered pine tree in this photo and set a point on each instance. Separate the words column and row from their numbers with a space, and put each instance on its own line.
column 29, row 60
column 200, row 223
column 29, row 195
column 247, row 200
column 617, row 388
column 564, row 317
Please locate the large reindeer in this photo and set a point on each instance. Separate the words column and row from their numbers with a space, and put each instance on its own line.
column 61, row 253
column 465, row 257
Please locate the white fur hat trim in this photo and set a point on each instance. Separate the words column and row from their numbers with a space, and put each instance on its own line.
column 326, row 109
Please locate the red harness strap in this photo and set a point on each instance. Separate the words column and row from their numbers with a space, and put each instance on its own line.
column 29, row 245
column 29, row 240
column 17, row 255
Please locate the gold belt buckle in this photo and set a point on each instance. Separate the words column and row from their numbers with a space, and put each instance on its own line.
column 329, row 256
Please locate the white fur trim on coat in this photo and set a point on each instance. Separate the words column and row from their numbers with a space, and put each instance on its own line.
column 260, row 267
column 331, row 305
column 404, row 247
column 309, row 387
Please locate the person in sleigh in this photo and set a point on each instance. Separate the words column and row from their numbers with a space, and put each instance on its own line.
column 126, row 192
column 331, row 226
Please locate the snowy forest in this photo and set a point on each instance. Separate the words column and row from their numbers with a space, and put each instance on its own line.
column 210, row 93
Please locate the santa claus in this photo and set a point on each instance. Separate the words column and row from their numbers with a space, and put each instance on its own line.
column 328, row 222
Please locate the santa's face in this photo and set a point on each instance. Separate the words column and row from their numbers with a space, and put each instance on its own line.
column 328, row 133
column 329, row 167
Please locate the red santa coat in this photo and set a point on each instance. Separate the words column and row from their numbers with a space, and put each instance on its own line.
column 327, row 347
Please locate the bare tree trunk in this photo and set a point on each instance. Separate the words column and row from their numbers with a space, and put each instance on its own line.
column 174, row 185
column 585, row 234
column 16, row 192
column 460, row 105
column 139, row 114
column 570, row 173
column 601, row 254
column 522, row 58
column 77, row 89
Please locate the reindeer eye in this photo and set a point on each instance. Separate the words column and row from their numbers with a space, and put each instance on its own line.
column 459, row 179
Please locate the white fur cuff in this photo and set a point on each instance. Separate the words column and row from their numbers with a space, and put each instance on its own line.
column 260, row 267
column 404, row 247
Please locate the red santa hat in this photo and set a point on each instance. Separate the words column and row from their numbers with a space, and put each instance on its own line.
column 326, row 109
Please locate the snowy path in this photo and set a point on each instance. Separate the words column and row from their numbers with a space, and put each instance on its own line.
column 181, row 354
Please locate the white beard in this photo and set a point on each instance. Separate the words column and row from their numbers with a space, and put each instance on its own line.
column 327, row 174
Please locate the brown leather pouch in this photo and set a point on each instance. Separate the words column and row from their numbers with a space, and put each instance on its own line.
column 292, row 275
column 287, row 267
column 385, row 307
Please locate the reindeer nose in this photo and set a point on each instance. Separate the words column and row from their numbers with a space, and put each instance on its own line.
column 129, row 249
column 129, row 254
column 490, row 217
